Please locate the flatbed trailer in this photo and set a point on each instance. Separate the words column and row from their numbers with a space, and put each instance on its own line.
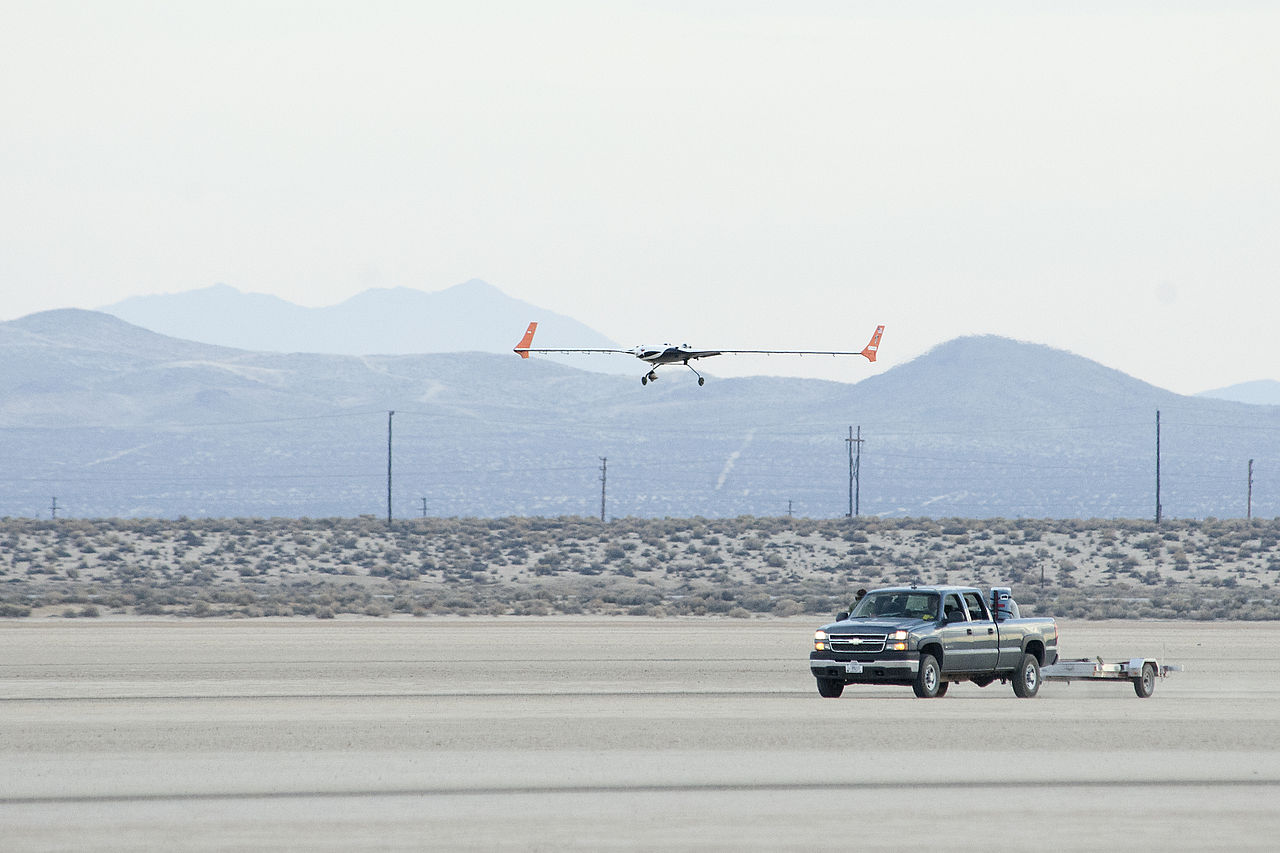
column 1141, row 672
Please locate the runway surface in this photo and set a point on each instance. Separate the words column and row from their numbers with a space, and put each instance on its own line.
column 626, row 733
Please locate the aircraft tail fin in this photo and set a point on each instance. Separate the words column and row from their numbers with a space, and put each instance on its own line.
column 522, row 348
column 870, row 349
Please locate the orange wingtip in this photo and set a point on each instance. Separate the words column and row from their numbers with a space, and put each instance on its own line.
column 522, row 348
column 872, row 348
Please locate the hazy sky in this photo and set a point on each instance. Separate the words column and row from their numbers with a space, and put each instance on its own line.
column 1101, row 177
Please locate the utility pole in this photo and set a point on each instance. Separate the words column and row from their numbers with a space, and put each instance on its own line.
column 424, row 507
column 855, row 466
column 53, row 507
column 1159, row 510
column 604, row 479
column 1249, row 506
column 389, row 414
column 789, row 508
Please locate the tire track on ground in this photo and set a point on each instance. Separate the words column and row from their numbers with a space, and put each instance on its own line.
column 580, row 790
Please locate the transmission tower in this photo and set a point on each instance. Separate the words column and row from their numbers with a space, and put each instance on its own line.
column 1249, row 505
column 1159, row 509
column 389, row 414
column 604, row 479
column 855, row 466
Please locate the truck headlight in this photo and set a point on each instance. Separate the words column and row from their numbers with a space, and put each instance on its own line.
column 820, row 641
column 896, row 642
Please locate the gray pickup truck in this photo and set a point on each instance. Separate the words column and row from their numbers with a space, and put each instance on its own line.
column 930, row 636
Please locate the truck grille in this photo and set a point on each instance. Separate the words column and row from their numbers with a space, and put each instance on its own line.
column 857, row 643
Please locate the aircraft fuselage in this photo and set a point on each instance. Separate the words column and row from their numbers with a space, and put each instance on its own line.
column 671, row 355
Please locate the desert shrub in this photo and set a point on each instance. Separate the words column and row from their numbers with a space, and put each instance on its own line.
column 788, row 607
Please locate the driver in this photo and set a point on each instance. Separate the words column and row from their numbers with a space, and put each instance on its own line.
column 858, row 596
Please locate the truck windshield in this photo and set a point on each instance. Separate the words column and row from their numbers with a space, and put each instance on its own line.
column 898, row 604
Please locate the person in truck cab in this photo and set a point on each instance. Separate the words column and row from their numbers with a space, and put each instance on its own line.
column 952, row 610
column 856, row 598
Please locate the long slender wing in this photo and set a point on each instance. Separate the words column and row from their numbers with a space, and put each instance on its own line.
column 523, row 348
column 869, row 351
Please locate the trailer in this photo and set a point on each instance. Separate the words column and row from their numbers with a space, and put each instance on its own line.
column 1142, row 672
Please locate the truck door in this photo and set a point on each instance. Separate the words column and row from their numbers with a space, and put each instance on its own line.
column 985, row 637
column 1009, row 651
column 960, row 650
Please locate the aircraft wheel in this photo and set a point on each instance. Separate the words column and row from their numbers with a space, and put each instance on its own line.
column 644, row 380
column 701, row 381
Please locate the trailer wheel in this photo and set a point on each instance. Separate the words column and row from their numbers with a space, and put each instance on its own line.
column 928, row 683
column 1144, row 685
column 1026, row 678
column 830, row 688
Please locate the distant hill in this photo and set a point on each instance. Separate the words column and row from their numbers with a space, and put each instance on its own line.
column 115, row 420
column 471, row 317
column 1263, row 392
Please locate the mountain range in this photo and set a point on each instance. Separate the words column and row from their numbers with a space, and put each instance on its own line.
column 473, row 316
column 1260, row 392
column 114, row 420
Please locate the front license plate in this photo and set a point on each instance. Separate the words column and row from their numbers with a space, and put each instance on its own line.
column 853, row 667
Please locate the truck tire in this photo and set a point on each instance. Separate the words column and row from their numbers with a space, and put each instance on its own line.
column 830, row 688
column 928, row 682
column 1026, row 678
column 1144, row 685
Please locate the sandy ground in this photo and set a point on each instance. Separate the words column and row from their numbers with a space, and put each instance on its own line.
column 579, row 733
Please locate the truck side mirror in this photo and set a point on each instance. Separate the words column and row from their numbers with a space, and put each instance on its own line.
column 842, row 615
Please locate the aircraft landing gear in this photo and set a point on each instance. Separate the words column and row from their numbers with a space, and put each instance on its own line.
column 701, row 380
column 651, row 376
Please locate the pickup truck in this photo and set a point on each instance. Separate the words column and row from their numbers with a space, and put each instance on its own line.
column 930, row 636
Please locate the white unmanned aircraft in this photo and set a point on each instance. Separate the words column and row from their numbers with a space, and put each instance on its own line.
column 683, row 354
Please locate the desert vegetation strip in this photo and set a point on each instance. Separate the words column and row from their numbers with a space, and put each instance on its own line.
column 735, row 567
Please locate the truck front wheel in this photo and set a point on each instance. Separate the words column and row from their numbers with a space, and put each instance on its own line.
column 1026, row 678
column 928, row 683
column 1145, row 684
column 830, row 688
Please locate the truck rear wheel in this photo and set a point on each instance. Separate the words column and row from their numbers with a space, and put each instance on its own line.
column 830, row 688
column 1144, row 685
column 1026, row 678
column 928, row 683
